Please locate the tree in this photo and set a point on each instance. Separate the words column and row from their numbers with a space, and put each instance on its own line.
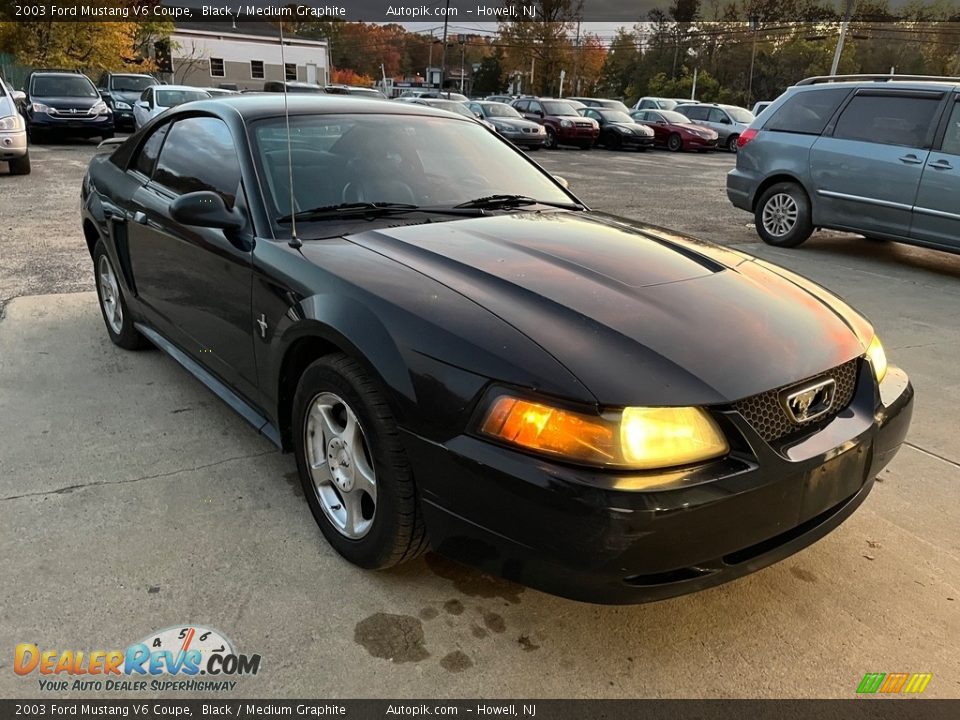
column 489, row 77
column 541, row 46
column 86, row 46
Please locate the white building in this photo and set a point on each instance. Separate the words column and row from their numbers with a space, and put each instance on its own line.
column 244, row 58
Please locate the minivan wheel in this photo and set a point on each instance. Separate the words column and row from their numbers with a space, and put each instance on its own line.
column 353, row 468
column 782, row 215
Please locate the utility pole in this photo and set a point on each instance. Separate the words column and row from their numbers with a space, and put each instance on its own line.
column 843, row 36
column 755, row 24
column 576, row 63
column 443, row 62
column 463, row 47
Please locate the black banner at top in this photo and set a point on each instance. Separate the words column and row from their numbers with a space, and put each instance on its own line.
column 401, row 11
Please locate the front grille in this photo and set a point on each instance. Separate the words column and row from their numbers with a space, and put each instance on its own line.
column 768, row 417
column 584, row 125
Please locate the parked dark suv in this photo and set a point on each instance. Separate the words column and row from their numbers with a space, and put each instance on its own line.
column 868, row 154
column 61, row 103
column 120, row 91
column 564, row 125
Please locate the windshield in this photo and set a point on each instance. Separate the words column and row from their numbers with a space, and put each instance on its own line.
column 172, row 98
column 615, row 116
column 615, row 105
column 131, row 83
column 452, row 106
column 499, row 110
column 423, row 161
column 674, row 117
column 63, row 86
column 559, row 108
column 740, row 115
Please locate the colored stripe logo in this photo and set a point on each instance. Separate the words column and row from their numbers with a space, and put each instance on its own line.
column 894, row 683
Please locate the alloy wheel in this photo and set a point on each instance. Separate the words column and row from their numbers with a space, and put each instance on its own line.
column 780, row 214
column 110, row 295
column 340, row 465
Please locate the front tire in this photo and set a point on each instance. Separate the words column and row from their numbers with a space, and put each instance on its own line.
column 551, row 142
column 20, row 165
column 354, row 471
column 782, row 216
column 732, row 144
column 113, row 306
column 612, row 141
column 674, row 143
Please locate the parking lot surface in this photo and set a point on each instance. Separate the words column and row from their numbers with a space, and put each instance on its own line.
column 131, row 500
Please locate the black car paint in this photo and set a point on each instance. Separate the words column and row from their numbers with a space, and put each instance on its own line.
column 587, row 309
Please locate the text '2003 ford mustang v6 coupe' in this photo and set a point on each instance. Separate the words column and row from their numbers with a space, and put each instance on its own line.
column 461, row 354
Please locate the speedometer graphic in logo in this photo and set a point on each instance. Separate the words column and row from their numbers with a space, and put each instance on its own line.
column 183, row 639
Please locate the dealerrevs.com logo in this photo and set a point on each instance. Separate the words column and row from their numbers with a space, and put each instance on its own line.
column 187, row 658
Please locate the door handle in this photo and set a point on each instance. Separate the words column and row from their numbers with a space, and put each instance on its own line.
column 910, row 159
column 140, row 217
column 114, row 216
column 941, row 165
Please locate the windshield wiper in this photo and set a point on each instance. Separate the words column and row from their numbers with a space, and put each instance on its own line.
column 370, row 209
column 501, row 201
column 348, row 209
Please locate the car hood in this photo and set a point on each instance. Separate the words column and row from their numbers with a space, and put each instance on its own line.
column 513, row 122
column 67, row 103
column 129, row 97
column 693, row 127
column 635, row 128
column 640, row 315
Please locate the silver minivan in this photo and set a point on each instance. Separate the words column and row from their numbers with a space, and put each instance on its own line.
column 13, row 132
column 868, row 154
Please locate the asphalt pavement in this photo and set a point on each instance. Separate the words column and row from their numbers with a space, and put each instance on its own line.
column 132, row 499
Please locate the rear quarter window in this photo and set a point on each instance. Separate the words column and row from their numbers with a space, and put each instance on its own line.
column 888, row 119
column 807, row 112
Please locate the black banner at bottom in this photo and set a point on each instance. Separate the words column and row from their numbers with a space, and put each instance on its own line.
column 874, row 708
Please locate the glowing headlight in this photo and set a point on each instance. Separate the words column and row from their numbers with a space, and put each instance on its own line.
column 877, row 358
column 636, row 438
column 11, row 122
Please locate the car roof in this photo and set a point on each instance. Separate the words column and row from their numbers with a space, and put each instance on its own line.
column 931, row 84
column 158, row 86
column 265, row 105
column 116, row 74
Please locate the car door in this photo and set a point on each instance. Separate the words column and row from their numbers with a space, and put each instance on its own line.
column 196, row 282
column 654, row 120
column 865, row 169
column 936, row 213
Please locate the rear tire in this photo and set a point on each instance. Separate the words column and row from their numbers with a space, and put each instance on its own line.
column 353, row 468
column 113, row 306
column 782, row 216
column 21, row 165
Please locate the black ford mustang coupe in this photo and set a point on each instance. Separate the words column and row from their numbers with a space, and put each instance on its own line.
column 461, row 354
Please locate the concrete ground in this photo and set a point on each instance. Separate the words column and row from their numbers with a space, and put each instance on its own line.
column 132, row 500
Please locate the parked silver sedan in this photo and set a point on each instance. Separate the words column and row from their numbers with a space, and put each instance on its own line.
column 13, row 132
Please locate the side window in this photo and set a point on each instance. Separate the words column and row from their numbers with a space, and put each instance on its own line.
column 102, row 82
column 718, row 116
column 535, row 107
column 695, row 113
column 592, row 114
column 951, row 139
column 475, row 108
column 199, row 154
column 522, row 106
column 146, row 159
column 146, row 95
column 807, row 112
column 886, row 119
column 647, row 104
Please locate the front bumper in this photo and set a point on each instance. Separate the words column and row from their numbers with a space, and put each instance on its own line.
column 524, row 139
column 73, row 126
column 636, row 141
column 13, row 144
column 577, row 135
column 583, row 535
column 123, row 119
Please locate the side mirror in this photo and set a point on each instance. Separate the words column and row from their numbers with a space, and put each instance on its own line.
column 562, row 180
column 478, row 114
column 204, row 209
column 538, row 113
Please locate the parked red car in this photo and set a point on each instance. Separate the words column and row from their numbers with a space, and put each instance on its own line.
column 676, row 131
column 564, row 125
